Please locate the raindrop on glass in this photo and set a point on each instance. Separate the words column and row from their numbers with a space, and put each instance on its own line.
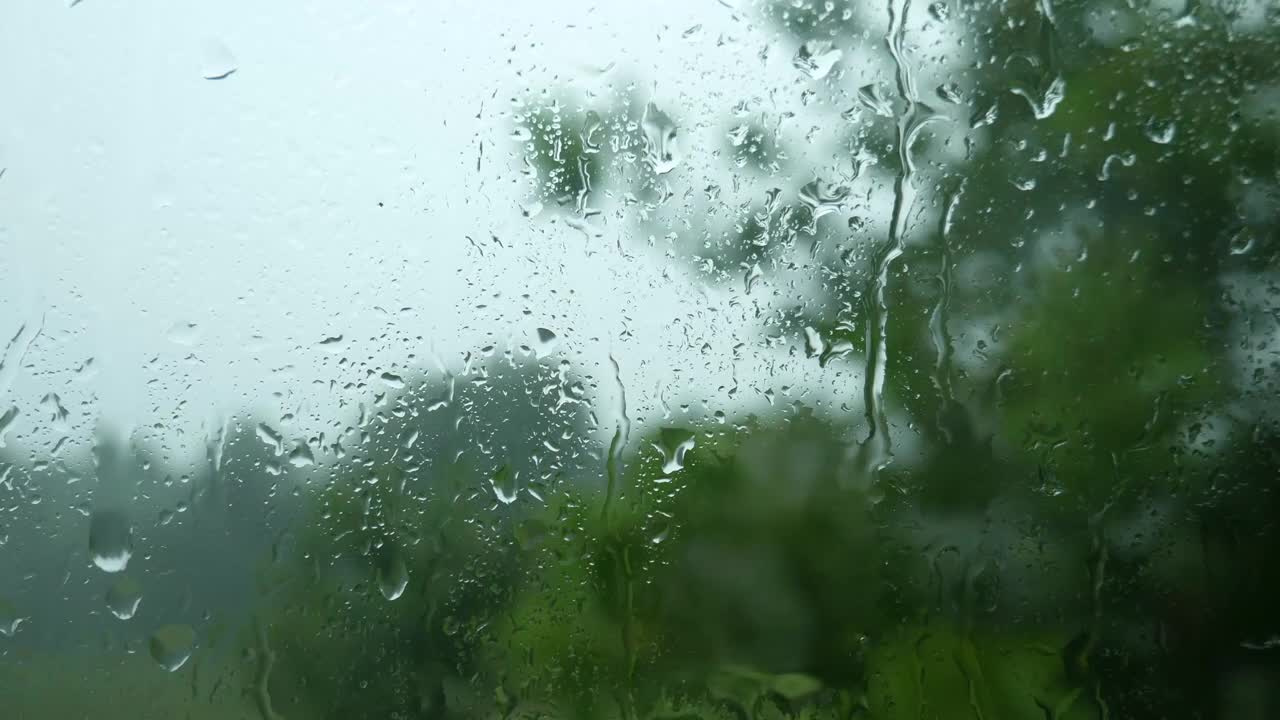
column 673, row 443
column 172, row 645
column 110, row 540
column 815, row 58
column 393, row 574
column 217, row 62
column 123, row 597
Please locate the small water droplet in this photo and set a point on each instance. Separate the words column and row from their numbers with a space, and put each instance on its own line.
column 110, row 540
column 940, row 11
column 815, row 58
column 123, row 597
column 172, row 645
column 392, row 381
column 673, row 443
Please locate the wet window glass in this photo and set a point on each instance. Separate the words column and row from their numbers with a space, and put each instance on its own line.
column 737, row 359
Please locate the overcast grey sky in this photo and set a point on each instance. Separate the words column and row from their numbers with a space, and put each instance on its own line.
column 141, row 199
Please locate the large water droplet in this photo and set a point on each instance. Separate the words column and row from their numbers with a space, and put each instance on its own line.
column 302, row 456
column 815, row 58
column 9, row 619
column 1160, row 132
column 217, row 62
column 110, row 540
column 950, row 92
column 393, row 574
column 661, row 148
column 506, row 485
column 823, row 198
column 6, row 422
column 547, row 342
column 673, row 443
column 873, row 98
column 752, row 276
column 1044, row 102
column 123, row 597
column 813, row 344
column 171, row 646
column 1242, row 242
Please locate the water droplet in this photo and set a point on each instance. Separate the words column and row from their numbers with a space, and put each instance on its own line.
column 172, row 645
column 872, row 98
column 272, row 438
column 661, row 533
column 950, row 92
column 940, row 11
column 393, row 574
column 217, row 61
column 983, row 117
column 183, row 333
column 1242, row 242
column 1160, row 132
column 547, row 341
column 815, row 58
column 506, row 485
column 754, row 273
column 110, row 540
column 302, row 456
column 822, row 198
column 6, row 423
column 392, row 381
column 9, row 619
column 813, row 344
column 661, row 148
column 1043, row 103
column 333, row 344
column 673, row 443
column 532, row 208
column 123, row 597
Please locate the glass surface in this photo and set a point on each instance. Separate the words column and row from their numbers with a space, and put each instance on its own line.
column 655, row 360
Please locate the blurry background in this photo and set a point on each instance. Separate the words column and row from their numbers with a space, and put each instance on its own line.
column 569, row 360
